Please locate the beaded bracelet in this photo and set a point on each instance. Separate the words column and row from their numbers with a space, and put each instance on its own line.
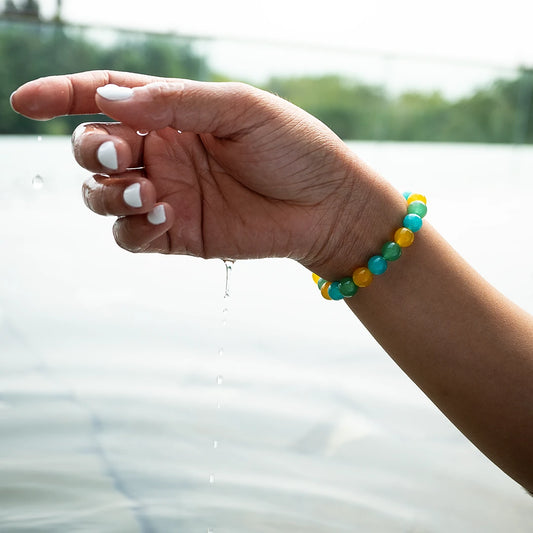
column 377, row 264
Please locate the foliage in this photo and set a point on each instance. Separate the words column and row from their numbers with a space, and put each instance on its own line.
column 29, row 51
column 501, row 112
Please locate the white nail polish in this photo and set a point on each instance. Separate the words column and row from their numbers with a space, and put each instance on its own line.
column 114, row 92
column 107, row 155
column 132, row 195
column 157, row 215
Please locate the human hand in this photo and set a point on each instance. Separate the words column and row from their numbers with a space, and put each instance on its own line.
column 226, row 170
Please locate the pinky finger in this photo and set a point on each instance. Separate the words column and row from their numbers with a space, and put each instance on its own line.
column 145, row 233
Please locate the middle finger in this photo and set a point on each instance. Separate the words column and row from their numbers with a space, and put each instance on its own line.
column 109, row 147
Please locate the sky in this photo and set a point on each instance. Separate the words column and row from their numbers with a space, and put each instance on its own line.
column 450, row 45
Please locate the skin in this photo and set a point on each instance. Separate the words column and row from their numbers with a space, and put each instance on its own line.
column 244, row 174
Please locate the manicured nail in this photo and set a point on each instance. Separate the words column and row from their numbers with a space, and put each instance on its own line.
column 114, row 92
column 157, row 215
column 107, row 155
column 132, row 195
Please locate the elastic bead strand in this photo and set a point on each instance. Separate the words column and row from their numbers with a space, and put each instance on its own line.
column 378, row 264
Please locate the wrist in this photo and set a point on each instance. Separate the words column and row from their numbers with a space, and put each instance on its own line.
column 364, row 221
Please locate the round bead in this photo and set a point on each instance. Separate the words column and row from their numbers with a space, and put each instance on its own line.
column 407, row 194
column 316, row 277
column 333, row 291
column 412, row 222
column 417, row 208
column 404, row 237
column 377, row 265
column 324, row 290
column 416, row 198
column 362, row 277
column 391, row 251
column 321, row 282
column 347, row 287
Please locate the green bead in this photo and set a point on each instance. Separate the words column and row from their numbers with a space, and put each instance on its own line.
column 321, row 282
column 417, row 208
column 391, row 251
column 347, row 287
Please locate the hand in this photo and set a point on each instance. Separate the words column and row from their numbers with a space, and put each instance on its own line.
column 232, row 171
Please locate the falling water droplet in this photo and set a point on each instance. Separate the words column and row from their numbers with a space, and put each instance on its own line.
column 229, row 266
column 215, row 444
column 143, row 133
column 37, row 182
column 211, row 478
column 225, row 314
column 220, row 379
column 220, row 352
column 39, row 138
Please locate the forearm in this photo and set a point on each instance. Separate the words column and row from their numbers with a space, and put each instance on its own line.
column 464, row 344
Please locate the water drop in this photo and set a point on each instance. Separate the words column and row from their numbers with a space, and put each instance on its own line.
column 211, row 478
column 228, row 263
column 225, row 314
column 39, row 138
column 37, row 182
column 220, row 352
column 220, row 379
column 215, row 444
column 143, row 133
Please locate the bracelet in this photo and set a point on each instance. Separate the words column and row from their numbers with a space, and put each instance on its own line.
column 378, row 264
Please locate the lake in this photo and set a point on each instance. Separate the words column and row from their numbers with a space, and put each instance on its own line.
column 134, row 397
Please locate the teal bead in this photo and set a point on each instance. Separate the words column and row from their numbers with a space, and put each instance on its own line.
column 321, row 282
column 417, row 208
column 347, row 287
column 391, row 251
column 407, row 194
column 377, row 265
column 334, row 292
column 412, row 222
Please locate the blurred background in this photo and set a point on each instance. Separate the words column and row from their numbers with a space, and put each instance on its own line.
column 135, row 396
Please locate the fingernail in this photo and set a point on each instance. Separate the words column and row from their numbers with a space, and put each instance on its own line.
column 114, row 92
column 132, row 195
column 157, row 215
column 107, row 155
column 11, row 99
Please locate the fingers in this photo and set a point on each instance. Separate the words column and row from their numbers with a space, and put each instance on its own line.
column 107, row 147
column 147, row 102
column 143, row 224
column 119, row 196
column 74, row 94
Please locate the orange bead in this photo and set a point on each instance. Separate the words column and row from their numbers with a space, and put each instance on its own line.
column 404, row 237
column 324, row 290
column 362, row 277
column 415, row 197
column 316, row 277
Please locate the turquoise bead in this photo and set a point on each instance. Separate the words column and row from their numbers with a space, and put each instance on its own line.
column 321, row 282
column 406, row 194
column 412, row 222
column 334, row 292
column 417, row 208
column 391, row 251
column 377, row 265
column 347, row 287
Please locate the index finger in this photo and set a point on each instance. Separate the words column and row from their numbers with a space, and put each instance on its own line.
column 71, row 94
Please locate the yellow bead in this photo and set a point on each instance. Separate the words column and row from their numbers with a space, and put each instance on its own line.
column 416, row 197
column 404, row 237
column 316, row 277
column 324, row 290
column 362, row 277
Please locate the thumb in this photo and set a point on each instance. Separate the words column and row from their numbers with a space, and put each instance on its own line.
column 221, row 109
